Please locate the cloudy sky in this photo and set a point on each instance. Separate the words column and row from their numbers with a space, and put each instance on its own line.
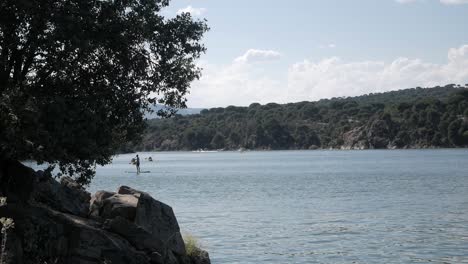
column 304, row 50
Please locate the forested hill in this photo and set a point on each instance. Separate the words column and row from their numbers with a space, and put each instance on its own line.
column 411, row 118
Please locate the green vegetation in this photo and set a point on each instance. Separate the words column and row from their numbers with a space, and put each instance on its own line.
column 75, row 76
column 411, row 118
column 192, row 246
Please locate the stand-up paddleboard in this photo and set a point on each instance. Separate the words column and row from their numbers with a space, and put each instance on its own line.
column 136, row 172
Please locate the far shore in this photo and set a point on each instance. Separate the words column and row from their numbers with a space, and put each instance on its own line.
column 274, row 150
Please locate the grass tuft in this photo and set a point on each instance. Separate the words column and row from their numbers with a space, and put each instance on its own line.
column 192, row 245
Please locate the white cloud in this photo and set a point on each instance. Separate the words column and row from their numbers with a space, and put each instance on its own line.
column 240, row 83
column 235, row 84
column 192, row 10
column 406, row 1
column 454, row 2
column 255, row 55
column 329, row 46
column 445, row 2
column 333, row 77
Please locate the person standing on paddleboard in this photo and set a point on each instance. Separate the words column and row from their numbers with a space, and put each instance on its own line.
column 137, row 163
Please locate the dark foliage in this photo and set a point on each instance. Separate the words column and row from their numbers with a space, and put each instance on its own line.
column 411, row 118
column 76, row 75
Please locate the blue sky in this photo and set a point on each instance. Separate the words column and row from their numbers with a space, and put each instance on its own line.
column 285, row 51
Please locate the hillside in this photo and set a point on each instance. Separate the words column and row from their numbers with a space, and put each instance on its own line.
column 410, row 118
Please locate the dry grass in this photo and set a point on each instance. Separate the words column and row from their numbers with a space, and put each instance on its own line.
column 192, row 245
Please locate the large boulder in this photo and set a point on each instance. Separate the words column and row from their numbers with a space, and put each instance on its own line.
column 66, row 196
column 138, row 207
column 97, row 202
column 108, row 205
column 119, row 205
column 61, row 223
column 159, row 220
column 137, row 236
column 201, row 258
column 54, row 237
column 142, row 240
column 128, row 190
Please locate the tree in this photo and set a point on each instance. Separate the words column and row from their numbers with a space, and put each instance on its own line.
column 218, row 141
column 234, row 140
column 77, row 75
column 405, row 119
column 453, row 132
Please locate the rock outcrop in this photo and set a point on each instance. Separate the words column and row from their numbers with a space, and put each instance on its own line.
column 62, row 223
column 355, row 139
column 378, row 134
column 66, row 196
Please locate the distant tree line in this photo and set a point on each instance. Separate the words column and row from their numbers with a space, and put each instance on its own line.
column 411, row 118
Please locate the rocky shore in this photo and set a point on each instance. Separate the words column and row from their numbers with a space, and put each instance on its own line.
column 46, row 221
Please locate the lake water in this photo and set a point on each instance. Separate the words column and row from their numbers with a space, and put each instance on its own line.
column 391, row 206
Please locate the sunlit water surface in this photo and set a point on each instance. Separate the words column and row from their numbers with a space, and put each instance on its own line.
column 393, row 206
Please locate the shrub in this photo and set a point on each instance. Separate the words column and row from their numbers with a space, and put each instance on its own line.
column 192, row 246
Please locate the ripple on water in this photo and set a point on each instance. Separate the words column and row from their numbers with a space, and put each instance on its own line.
column 313, row 206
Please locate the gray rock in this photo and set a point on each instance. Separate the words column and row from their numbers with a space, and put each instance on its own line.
column 142, row 240
column 313, row 147
column 67, row 196
column 81, row 196
column 201, row 258
column 158, row 219
column 171, row 258
column 108, row 205
column 156, row 258
column 137, row 236
column 56, row 237
column 60, row 223
column 128, row 190
column 119, row 205
column 355, row 139
column 97, row 201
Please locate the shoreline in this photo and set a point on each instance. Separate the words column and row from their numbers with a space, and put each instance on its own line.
column 278, row 150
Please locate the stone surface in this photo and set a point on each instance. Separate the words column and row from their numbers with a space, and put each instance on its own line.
column 378, row 134
column 66, row 196
column 156, row 258
column 355, row 139
column 56, row 237
column 137, row 236
column 61, row 223
column 108, row 205
column 96, row 203
column 201, row 258
column 119, row 205
column 158, row 219
column 129, row 190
